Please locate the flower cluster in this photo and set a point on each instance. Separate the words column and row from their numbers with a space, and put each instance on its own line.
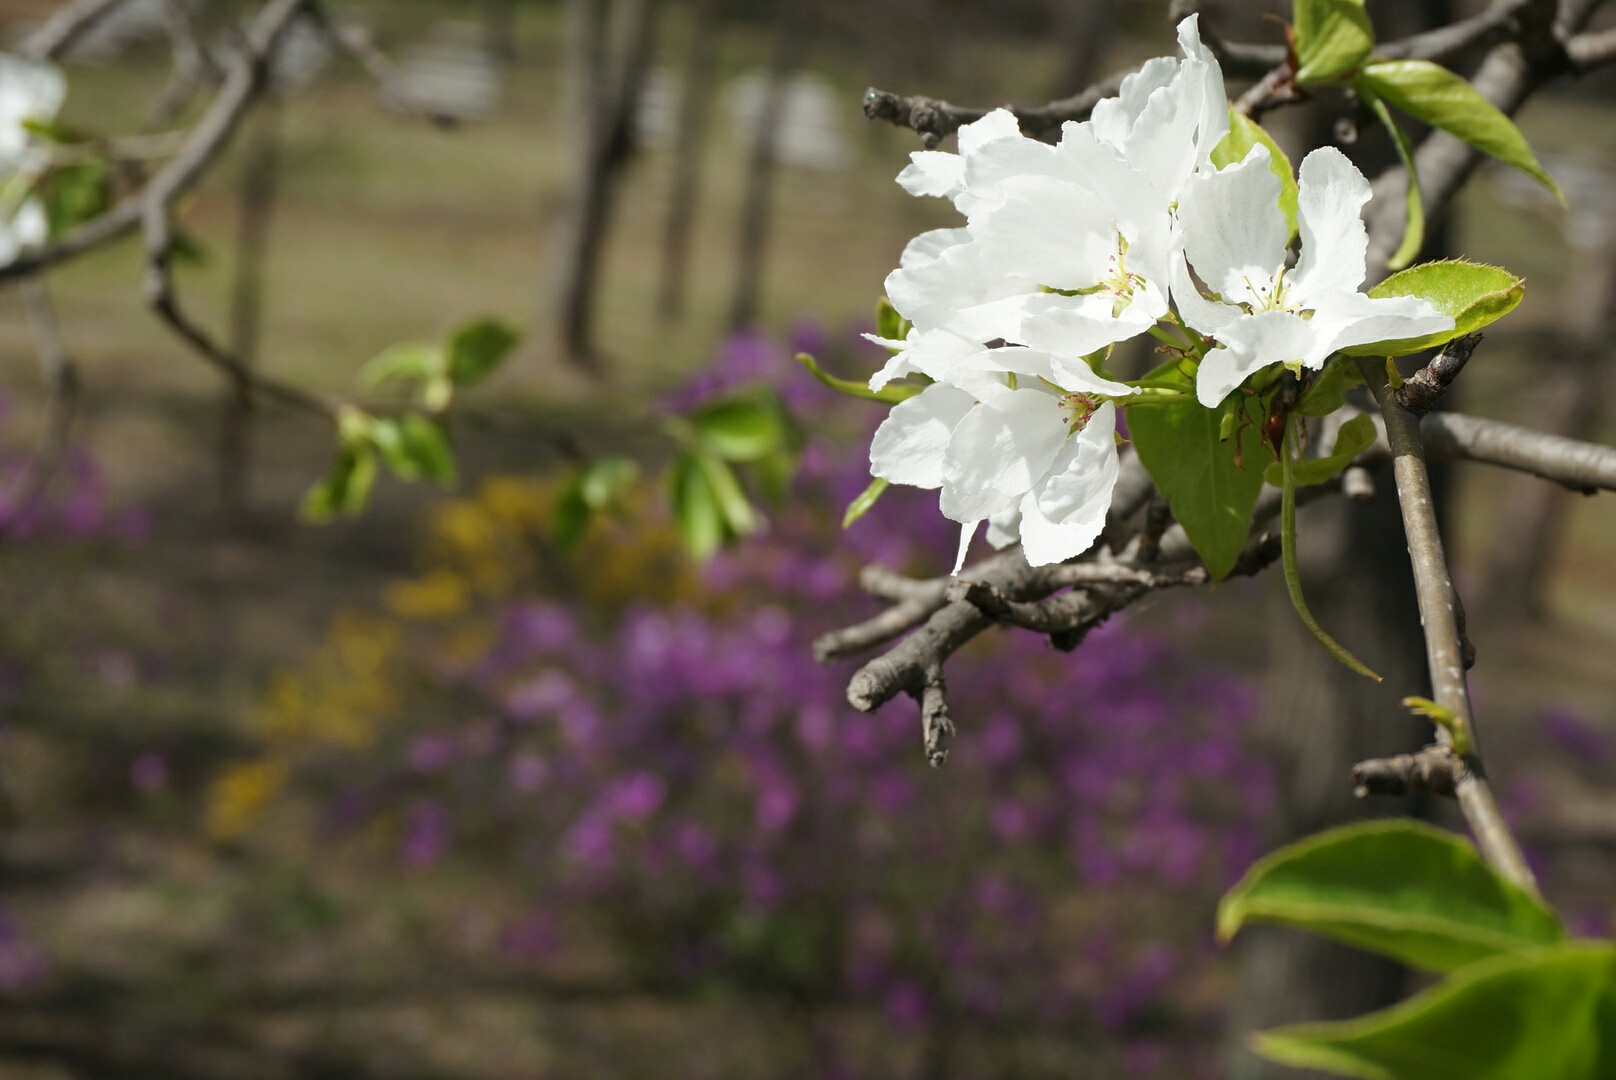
column 29, row 91
column 1125, row 227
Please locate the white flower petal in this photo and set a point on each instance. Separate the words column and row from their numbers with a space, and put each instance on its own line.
column 909, row 445
column 1004, row 529
column 1234, row 232
column 1005, row 443
column 1252, row 343
column 998, row 124
column 1331, row 192
column 1072, row 326
column 28, row 91
column 1074, row 376
column 928, row 246
column 1113, row 118
column 1207, row 316
column 932, row 353
column 1351, row 318
column 1049, row 231
column 1214, row 122
column 1065, row 513
column 967, row 534
column 933, row 172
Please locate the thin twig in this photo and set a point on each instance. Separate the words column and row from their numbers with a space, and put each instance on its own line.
column 934, row 120
column 1438, row 614
column 66, row 25
column 1581, row 466
column 61, row 379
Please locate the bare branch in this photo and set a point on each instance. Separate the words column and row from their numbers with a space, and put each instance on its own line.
column 1580, row 466
column 1425, row 388
column 65, row 26
column 1436, row 769
column 1439, row 615
column 1500, row 21
column 935, row 120
column 61, row 380
column 1588, row 51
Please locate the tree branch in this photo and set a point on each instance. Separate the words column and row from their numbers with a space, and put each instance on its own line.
column 1580, row 466
column 65, row 26
column 1439, row 615
column 934, row 120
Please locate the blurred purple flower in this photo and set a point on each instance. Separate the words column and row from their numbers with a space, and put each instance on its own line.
column 149, row 773
column 1577, row 736
column 426, row 835
column 906, row 1005
column 432, row 753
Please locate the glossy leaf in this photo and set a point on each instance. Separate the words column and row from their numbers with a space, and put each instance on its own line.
column 1332, row 38
column 1209, row 492
column 1329, row 391
column 477, row 349
column 1354, row 437
column 1436, row 96
column 1399, row 888
column 1474, row 294
column 1543, row 1014
column 867, row 498
column 1413, row 198
column 1244, row 133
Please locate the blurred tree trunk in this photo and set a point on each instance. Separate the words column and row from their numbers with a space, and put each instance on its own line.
column 695, row 107
column 608, row 47
column 789, row 47
column 255, row 215
column 1083, row 27
column 1569, row 401
column 1318, row 717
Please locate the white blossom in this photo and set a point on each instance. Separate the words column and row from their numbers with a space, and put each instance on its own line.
column 1262, row 312
column 28, row 91
column 1030, row 447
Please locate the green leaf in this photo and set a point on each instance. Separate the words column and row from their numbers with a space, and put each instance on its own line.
column 1329, row 391
column 415, row 447
column 1332, row 38
column 696, row 515
column 571, row 514
column 739, row 515
column 604, row 480
column 477, row 348
column 867, row 498
column 888, row 323
column 1543, row 1014
column 1399, row 888
column 74, row 194
column 1413, row 199
column 345, row 489
column 892, row 393
column 1244, row 133
column 1355, row 436
column 410, row 362
column 1208, row 491
column 743, row 428
column 54, row 131
column 1474, row 294
column 1432, row 94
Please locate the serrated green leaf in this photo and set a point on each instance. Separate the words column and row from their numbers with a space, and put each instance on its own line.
column 415, row 447
column 888, row 323
column 867, row 498
column 1399, row 888
column 476, row 349
column 1355, row 436
column 1332, row 38
column 1541, row 1014
column 1434, row 95
column 744, row 428
column 409, row 362
column 1413, row 198
column 1474, row 294
column 345, row 488
column 696, row 514
column 1209, row 493
column 1244, row 133
column 892, row 393
column 604, row 480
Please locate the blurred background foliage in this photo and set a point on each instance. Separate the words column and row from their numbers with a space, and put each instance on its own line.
column 475, row 785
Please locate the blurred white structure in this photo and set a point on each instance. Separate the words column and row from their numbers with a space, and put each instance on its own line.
column 450, row 75
column 809, row 128
column 1589, row 219
column 656, row 117
column 303, row 53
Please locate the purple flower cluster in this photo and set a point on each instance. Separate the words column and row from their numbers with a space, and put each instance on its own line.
column 688, row 781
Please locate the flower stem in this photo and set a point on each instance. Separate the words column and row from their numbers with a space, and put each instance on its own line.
column 1293, row 577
